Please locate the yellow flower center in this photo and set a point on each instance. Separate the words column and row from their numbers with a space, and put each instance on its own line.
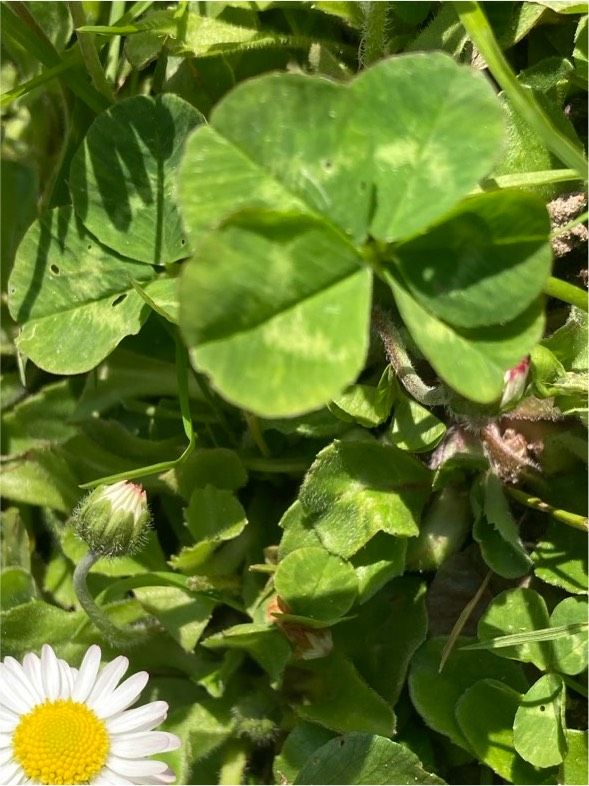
column 61, row 742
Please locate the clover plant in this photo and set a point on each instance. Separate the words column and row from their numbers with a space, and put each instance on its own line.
column 312, row 275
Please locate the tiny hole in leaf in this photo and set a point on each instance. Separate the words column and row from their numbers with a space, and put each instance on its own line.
column 89, row 246
column 327, row 165
column 182, row 242
column 119, row 299
column 542, row 708
column 54, row 269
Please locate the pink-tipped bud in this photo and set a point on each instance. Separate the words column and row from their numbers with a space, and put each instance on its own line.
column 113, row 519
column 515, row 383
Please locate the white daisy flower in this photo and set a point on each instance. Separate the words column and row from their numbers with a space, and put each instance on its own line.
column 60, row 725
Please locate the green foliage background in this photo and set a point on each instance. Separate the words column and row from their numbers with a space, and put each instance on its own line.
column 275, row 260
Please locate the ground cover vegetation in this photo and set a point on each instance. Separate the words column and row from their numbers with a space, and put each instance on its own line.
column 313, row 275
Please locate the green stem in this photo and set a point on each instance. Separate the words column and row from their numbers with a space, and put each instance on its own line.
column 522, row 99
column 568, row 293
column 89, row 52
column 118, row 637
column 528, row 179
column 373, row 32
column 565, row 516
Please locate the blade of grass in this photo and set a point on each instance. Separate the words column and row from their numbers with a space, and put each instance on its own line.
column 522, row 99
column 462, row 620
column 89, row 52
column 543, row 634
column 45, row 76
column 18, row 25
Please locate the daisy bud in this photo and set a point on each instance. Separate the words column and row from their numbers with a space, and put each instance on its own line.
column 113, row 519
column 515, row 382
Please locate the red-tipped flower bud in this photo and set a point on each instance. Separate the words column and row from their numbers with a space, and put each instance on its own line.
column 113, row 519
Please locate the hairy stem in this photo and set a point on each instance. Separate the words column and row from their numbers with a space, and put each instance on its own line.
column 401, row 362
column 119, row 637
column 373, row 32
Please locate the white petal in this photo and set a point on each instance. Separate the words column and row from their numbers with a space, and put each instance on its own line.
column 140, row 719
column 108, row 679
column 6, row 755
column 8, row 771
column 126, row 694
column 5, row 741
column 50, row 672
column 144, row 743
column 67, row 680
column 17, row 673
column 18, row 778
column 11, row 695
column 8, row 721
column 135, row 768
column 32, row 668
column 15, row 682
column 87, row 675
column 107, row 777
column 164, row 777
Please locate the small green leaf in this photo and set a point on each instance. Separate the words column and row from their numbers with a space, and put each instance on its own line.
column 182, row 614
column 560, row 558
column 538, row 729
column 382, row 640
column 16, row 587
column 570, row 653
column 72, row 296
column 485, row 713
column 574, row 766
column 356, row 489
column 488, row 259
column 472, row 361
column 517, row 611
column 214, row 515
column 260, row 307
column 414, row 428
column 121, row 177
column 44, row 478
column 336, row 696
column 40, row 419
column 264, row 643
column 365, row 404
column 364, row 759
column 302, row 741
column 435, row 695
column 217, row 467
column 498, row 513
column 315, row 583
column 379, row 561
